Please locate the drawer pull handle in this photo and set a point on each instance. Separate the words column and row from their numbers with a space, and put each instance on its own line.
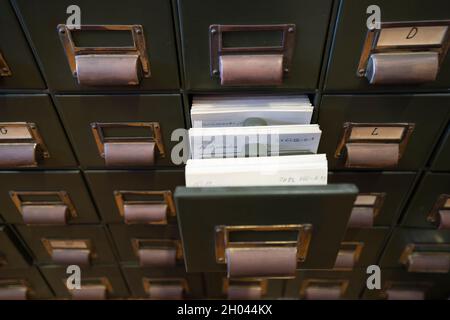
column 5, row 71
column 365, row 209
column 13, row 290
column 244, row 289
column 348, row 255
column 440, row 214
column 323, row 289
column 21, row 145
column 92, row 289
column 66, row 252
column 157, row 253
column 162, row 289
column 431, row 258
column 106, row 66
column 268, row 259
column 41, row 210
column 251, row 66
column 404, row 52
column 152, row 207
column 366, row 145
column 136, row 151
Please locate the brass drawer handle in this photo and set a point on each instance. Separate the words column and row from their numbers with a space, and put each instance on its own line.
column 366, row 207
column 21, row 145
column 370, row 145
column 12, row 289
column 5, row 71
column 43, row 211
column 440, row 214
column 244, row 289
column 404, row 52
column 119, row 151
column 348, row 255
column 106, row 66
column 431, row 258
column 151, row 207
column 272, row 259
column 323, row 289
column 157, row 252
column 166, row 288
column 73, row 251
column 250, row 66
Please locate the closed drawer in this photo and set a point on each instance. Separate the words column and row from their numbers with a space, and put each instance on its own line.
column 150, row 246
column 163, row 284
column 12, row 253
column 430, row 205
column 22, row 284
column 380, row 197
column 143, row 197
column 80, row 245
column 97, row 283
column 418, row 251
column 361, row 248
column 401, row 285
column 326, row 285
column 441, row 161
column 269, row 232
column 123, row 130
column 18, row 67
column 231, row 25
column 102, row 69
column 380, row 132
column 31, row 135
column 45, row 198
column 396, row 72
column 218, row 286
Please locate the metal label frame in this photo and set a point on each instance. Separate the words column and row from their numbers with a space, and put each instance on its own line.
column 326, row 283
column 433, row 215
column 424, row 248
column 139, row 243
column 147, row 282
column 34, row 133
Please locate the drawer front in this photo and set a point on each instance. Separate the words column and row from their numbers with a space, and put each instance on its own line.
column 398, row 132
column 141, row 121
column 140, row 281
column 12, row 253
column 19, row 69
column 350, row 38
column 116, row 191
column 29, row 280
column 136, row 242
column 418, row 251
column 307, row 47
column 211, row 231
column 81, row 245
column 218, row 286
column 326, row 284
column 156, row 35
column 44, row 198
column 109, row 277
column 32, row 123
column 428, row 208
column 441, row 161
column 391, row 188
column 361, row 248
column 401, row 285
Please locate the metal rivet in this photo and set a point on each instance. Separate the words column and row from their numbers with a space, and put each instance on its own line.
column 286, row 69
column 138, row 31
column 213, row 31
column 215, row 72
column 62, row 30
column 290, row 30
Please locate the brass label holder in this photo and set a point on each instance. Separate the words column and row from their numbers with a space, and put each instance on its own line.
column 68, row 244
column 371, row 42
column 148, row 197
column 372, row 200
column 217, row 48
column 403, row 285
column 5, row 71
column 63, row 199
column 153, row 127
column 94, row 282
column 71, row 50
column 262, row 283
column 148, row 282
column 353, row 246
column 222, row 241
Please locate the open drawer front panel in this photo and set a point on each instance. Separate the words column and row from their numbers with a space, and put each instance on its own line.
column 299, row 227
